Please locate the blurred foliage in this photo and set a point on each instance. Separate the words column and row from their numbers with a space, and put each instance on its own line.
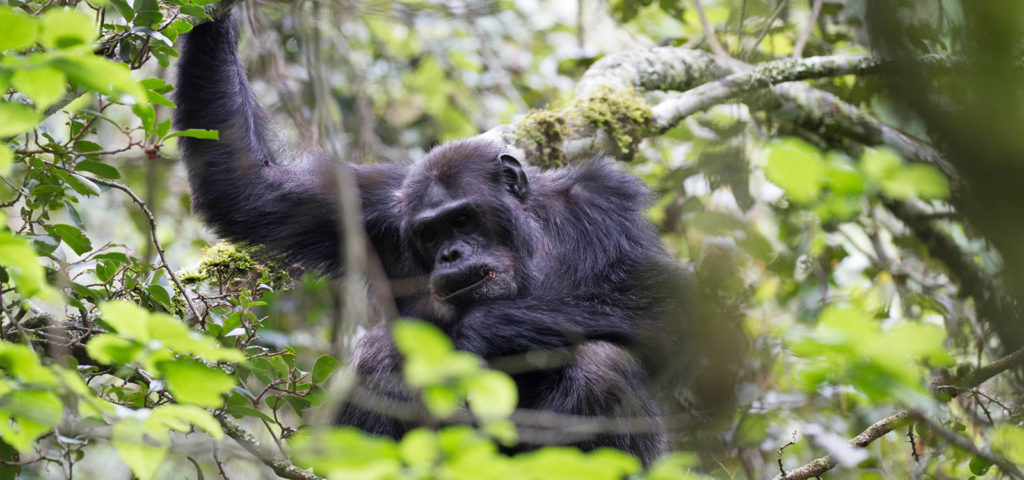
column 127, row 330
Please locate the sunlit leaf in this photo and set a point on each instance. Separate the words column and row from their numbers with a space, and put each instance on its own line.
column 796, row 167
column 193, row 382
column 141, row 445
column 492, row 395
column 19, row 30
column 43, row 85
column 16, row 118
column 66, row 28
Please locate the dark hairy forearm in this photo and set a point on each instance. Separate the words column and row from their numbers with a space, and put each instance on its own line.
column 237, row 185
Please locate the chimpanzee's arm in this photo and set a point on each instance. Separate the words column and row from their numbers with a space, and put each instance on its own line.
column 238, row 184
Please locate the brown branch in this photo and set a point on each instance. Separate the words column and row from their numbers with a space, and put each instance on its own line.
column 281, row 466
column 826, row 463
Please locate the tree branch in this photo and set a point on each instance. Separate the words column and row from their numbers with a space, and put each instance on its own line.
column 281, row 466
column 826, row 463
column 679, row 106
column 888, row 424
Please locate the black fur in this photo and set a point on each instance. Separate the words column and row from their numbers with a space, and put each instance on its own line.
column 562, row 258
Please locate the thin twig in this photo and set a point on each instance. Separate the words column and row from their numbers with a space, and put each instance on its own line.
column 709, row 31
column 798, row 47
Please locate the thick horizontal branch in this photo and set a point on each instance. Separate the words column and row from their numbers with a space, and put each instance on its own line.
column 675, row 108
column 281, row 466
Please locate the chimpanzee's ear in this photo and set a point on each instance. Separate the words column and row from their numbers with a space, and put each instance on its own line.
column 514, row 175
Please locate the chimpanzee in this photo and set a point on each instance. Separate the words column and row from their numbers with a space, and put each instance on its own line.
column 516, row 259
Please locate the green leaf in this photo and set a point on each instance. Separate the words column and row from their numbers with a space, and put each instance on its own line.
column 177, row 337
column 127, row 319
column 420, row 339
column 9, row 454
column 181, row 418
column 6, row 159
column 25, row 415
column 1008, row 440
column 159, row 293
column 979, row 466
column 101, row 75
column 20, row 30
column 842, row 177
column 110, row 349
column 193, row 382
column 197, row 133
column 147, row 13
column 442, row 401
column 141, row 445
column 796, row 167
column 23, row 266
column 492, row 395
column 146, row 114
column 72, row 237
column 22, row 363
column 43, row 85
column 880, row 164
column 926, row 181
column 420, row 448
column 323, row 368
column 124, row 9
column 99, row 169
column 16, row 118
column 65, row 28
column 346, row 453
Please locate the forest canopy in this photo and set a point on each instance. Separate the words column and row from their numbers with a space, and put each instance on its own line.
column 842, row 177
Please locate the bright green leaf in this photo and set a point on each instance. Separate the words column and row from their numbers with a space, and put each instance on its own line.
column 127, row 319
column 101, row 75
column 796, row 167
column 880, row 164
column 19, row 30
column 43, row 85
column 442, row 401
column 181, row 417
column 196, row 133
column 22, row 363
column 16, row 118
column 65, row 28
column 193, row 382
column 23, row 266
column 419, row 448
column 492, row 395
column 1008, row 440
column 141, row 446
column 927, row 181
column 6, row 159
column 25, row 415
column 111, row 349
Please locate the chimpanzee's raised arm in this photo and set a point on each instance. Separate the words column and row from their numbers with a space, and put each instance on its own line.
column 238, row 185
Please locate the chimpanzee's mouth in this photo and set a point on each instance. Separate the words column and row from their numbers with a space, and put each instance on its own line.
column 452, row 286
